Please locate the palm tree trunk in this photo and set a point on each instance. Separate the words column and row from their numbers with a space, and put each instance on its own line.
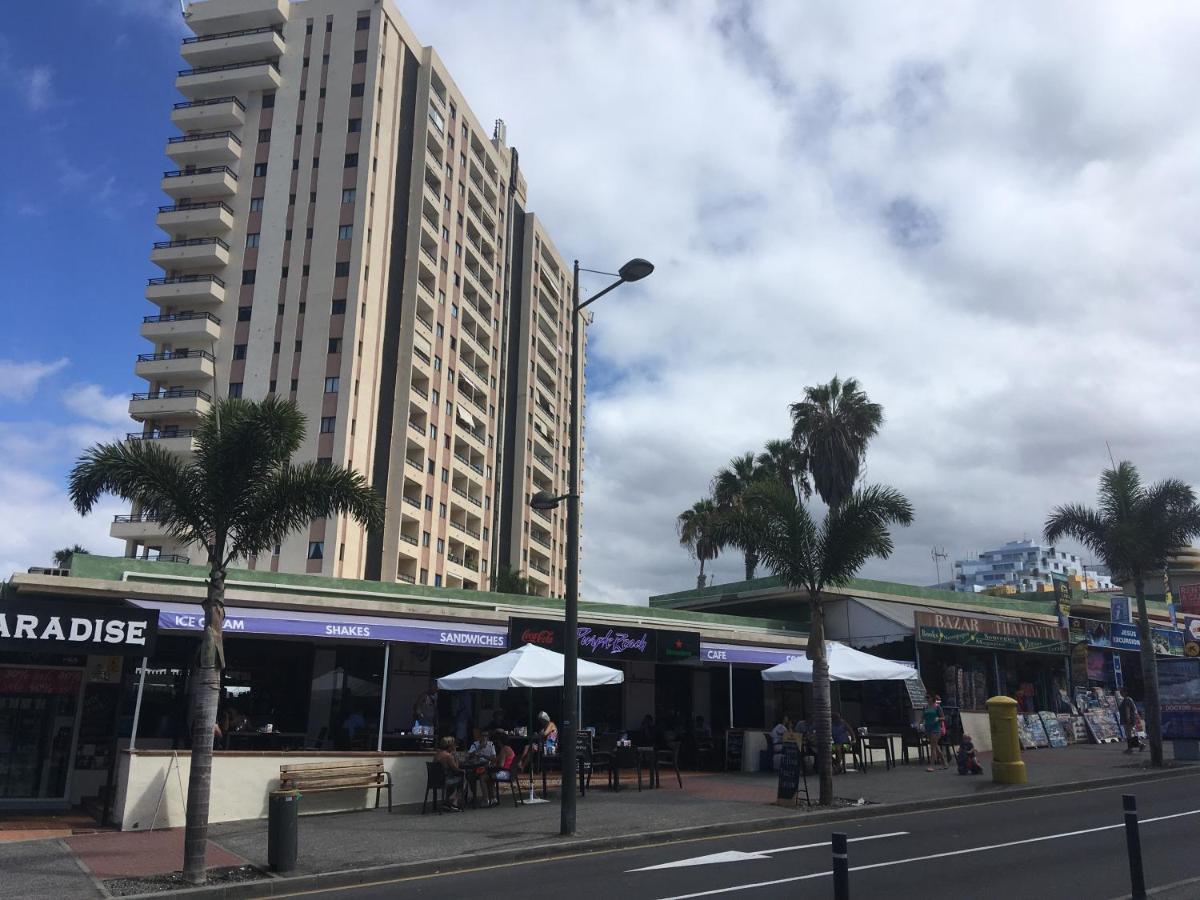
column 751, row 564
column 700, row 577
column 206, row 691
column 1149, row 677
column 821, row 704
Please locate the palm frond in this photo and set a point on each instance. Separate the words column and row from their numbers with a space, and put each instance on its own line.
column 859, row 529
column 1083, row 524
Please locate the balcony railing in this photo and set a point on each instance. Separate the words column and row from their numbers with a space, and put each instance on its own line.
column 543, row 569
column 421, row 353
column 542, row 514
column 186, row 207
column 185, row 279
column 191, row 242
column 466, row 461
column 161, row 435
column 464, row 529
column 455, row 558
column 231, row 34
column 206, row 136
column 172, row 394
column 137, row 517
column 411, row 502
column 419, row 429
column 203, row 170
column 421, row 392
column 407, row 579
column 189, row 104
column 465, row 495
column 537, row 540
column 408, row 539
column 164, row 557
column 176, row 354
column 180, row 317
column 228, row 67
column 416, row 465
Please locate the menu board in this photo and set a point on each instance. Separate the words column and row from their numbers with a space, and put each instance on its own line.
column 735, row 741
column 1037, row 731
column 916, row 693
column 1055, row 734
column 789, row 772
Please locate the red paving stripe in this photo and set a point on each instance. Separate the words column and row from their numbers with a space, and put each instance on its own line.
column 135, row 853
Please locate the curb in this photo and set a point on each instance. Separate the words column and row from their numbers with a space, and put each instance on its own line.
column 279, row 885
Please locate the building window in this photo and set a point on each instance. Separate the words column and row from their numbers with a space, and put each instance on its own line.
column 335, row 345
column 457, row 249
column 351, row 160
column 441, row 545
column 349, row 195
column 446, row 472
column 264, row 135
column 295, row 383
column 298, row 346
column 235, row 389
column 364, row 23
column 440, row 331
column 244, row 313
column 331, row 384
column 453, row 311
column 425, row 539
column 256, row 204
column 356, row 89
column 345, row 232
column 341, row 270
column 354, row 125
column 316, row 549
column 437, row 580
column 268, row 101
column 260, row 170
column 327, row 424
column 441, row 510
column 316, row 162
column 428, row 502
column 252, row 240
column 239, row 351
column 360, row 56
column 445, row 233
column 337, row 308
column 308, row 233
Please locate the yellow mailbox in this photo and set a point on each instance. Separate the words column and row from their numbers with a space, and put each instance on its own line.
column 1007, row 767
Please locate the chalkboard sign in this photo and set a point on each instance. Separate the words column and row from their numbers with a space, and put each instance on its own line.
column 1054, row 730
column 734, row 742
column 790, row 773
column 916, row 693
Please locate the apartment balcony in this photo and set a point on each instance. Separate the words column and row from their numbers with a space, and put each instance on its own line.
column 215, row 16
column 465, row 529
column 182, row 328
column 208, row 183
column 408, row 546
column 211, row 114
column 191, row 253
column 474, row 501
column 178, row 365
column 233, row 78
column 208, row 148
column 224, row 47
column 538, row 569
column 186, row 290
column 537, row 539
column 182, row 440
column 414, row 502
column 193, row 219
column 474, row 467
column 176, row 403
column 136, row 527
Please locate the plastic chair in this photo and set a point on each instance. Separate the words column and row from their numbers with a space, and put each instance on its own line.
column 670, row 757
column 435, row 781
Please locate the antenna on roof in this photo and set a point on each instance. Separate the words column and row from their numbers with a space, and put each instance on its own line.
column 938, row 554
column 1110, row 456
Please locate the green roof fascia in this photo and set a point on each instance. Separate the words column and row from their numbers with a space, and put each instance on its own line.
column 112, row 568
column 907, row 592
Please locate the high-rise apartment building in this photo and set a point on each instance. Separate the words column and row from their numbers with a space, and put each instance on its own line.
column 342, row 231
column 1025, row 566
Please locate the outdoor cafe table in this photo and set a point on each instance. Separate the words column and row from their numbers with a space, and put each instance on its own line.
column 881, row 740
column 633, row 757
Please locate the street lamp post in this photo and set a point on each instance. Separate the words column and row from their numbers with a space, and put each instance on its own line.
column 634, row 270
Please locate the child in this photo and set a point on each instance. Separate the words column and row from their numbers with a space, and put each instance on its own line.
column 967, row 763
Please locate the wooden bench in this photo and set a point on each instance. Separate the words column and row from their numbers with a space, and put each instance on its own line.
column 315, row 778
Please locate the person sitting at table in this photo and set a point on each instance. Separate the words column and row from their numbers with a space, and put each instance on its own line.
column 647, row 735
column 497, row 721
column 778, row 733
column 843, row 739
column 501, row 770
column 544, row 740
column 455, row 777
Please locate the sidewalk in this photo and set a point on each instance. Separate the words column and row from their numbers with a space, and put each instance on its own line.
column 79, row 866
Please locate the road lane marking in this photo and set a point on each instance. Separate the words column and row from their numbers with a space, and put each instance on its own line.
column 926, row 858
column 742, row 856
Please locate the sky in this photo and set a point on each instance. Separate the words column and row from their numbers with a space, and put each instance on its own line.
column 987, row 213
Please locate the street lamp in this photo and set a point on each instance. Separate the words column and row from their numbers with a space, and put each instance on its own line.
column 634, row 270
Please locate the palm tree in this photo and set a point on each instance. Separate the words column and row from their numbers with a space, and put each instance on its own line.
column 729, row 485
column 62, row 558
column 811, row 557
column 832, row 426
column 781, row 460
column 507, row 581
column 1134, row 530
column 238, row 496
column 696, row 527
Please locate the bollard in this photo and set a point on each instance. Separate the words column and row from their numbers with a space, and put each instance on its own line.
column 283, row 828
column 1007, row 767
column 841, row 868
column 1133, row 841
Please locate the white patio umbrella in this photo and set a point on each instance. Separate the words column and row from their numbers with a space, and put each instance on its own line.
column 529, row 666
column 845, row 664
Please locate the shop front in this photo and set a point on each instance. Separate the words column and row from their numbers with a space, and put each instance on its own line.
column 1107, row 654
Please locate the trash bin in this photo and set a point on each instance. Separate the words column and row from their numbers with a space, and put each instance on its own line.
column 283, row 813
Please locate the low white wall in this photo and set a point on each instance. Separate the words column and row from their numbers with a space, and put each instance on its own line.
column 241, row 783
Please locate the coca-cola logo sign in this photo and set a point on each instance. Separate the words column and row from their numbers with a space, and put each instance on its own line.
column 544, row 637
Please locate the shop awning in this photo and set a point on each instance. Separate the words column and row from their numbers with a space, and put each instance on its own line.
column 868, row 623
column 845, row 664
column 741, row 653
column 185, row 617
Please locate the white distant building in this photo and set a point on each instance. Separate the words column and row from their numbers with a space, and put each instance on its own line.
column 1020, row 567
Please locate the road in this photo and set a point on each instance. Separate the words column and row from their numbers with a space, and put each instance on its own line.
column 1064, row 845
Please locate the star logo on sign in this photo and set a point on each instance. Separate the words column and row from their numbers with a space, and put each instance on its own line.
column 678, row 644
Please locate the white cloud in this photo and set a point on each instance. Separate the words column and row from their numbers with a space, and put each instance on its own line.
column 39, row 87
column 91, row 402
column 985, row 214
column 20, row 380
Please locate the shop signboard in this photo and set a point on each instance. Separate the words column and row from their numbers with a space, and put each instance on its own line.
column 1118, row 672
column 1189, row 599
column 49, row 626
column 789, row 772
column 599, row 642
column 1179, row 691
column 1062, row 597
column 678, row 646
column 739, row 653
column 1119, row 607
column 1191, row 636
column 1124, row 636
column 984, row 633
